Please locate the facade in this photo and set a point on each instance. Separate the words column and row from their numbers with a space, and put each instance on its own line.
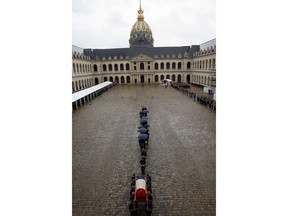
column 144, row 63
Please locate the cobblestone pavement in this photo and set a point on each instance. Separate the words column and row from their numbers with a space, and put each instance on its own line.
column 181, row 155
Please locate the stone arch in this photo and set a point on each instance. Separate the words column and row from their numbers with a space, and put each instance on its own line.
column 179, row 78
column 95, row 68
column 168, row 66
column 122, row 79
column 110, row 67
column 156, row 78
column 115, row 67
column 188, row 78
column 173, row 65
column 156, row 66
column 174, row 77
column 96, row 81
column 76, row 86
column 104, row 67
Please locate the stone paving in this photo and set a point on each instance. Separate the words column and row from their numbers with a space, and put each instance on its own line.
column 181, row 155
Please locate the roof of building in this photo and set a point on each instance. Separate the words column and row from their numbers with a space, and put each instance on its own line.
column 208, row 44
column 135, row 51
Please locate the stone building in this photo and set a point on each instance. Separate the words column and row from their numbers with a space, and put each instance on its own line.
column 144, row 63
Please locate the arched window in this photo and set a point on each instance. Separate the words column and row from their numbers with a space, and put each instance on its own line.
column 115, row 67
column 121, row 67
column 162, row 77
column 209, row 63
column 73, row 88
column 110, row 67
column 117, row 79
column 74, row 67
column 156, row 66
column 104, row 67
column 188, row 78
column 96, row 81
column 167, row 76
column 173, row 65
column 95, row 68
column 200, row 64
column 162, row 66
column 111, row 79
column 128, row 79
column 127, row 67
column 214, row 63
column 173, row 77
column 105, row 79
column 156, row 78
column 189, row 65
column 179, row 78
column 141, row 66
column 206, row 64
column 179, row 65
column 77, row 68
column 168, row 66
column 122, row 79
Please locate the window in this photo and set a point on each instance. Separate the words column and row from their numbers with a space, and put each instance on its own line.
column 156, row 66
column 95, row 68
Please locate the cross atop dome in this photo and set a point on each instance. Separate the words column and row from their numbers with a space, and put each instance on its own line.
column 140, row 13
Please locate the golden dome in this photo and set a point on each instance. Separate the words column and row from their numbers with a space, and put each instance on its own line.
column 140, row 26
column 141, row 34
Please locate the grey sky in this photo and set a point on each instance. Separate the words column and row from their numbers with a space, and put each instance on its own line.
column 107, row 23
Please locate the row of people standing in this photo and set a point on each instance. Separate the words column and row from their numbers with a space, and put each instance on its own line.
column 143, row 137
column 206, row 101
column 141, row 190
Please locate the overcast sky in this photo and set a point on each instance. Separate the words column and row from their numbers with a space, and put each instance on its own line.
column 107, row 23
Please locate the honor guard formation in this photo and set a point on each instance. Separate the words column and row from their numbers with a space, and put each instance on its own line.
column 141, row 191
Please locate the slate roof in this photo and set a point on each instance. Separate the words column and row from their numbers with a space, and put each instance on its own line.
column 132, row 52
